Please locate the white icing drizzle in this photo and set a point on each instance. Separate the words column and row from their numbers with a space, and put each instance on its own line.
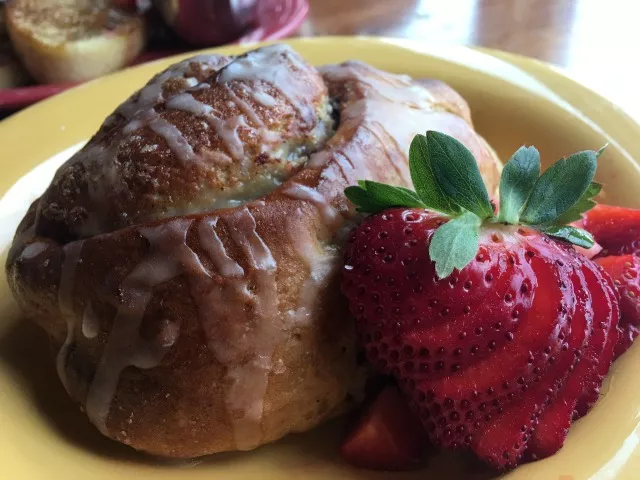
column 66, row 288
column 174, row 138
column 191, row 82
column 243, row 328
column 330, row 216
column 169, row 256
column 140, row 110
column 392, row 110
column 265, row 64
column 227, row 130
column 320, row 260
column 211, row 243
column 90, row 322
column 33, row 250
column 245, row 107
column 152, row 93
column 385, row 141
column 264, row 98
column 393, row 88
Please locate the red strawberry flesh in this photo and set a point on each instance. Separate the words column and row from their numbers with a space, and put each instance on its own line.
column 387, row 437
column 616, row 229
column 551, row 431
column 625, row 272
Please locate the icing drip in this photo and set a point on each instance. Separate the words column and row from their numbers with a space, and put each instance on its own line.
column 66, row 288
column 390, row 87
column 385, row 140
column 243, row 328
column 245, row 107
column 90, row 322
column 265, row 64
column 264, row 98
column 169, row 256
column 174, row 138
column 321, row 262
column 33, row 250
column 176, row 141
column 153, row 92
column 227, row 130
column 330, row 216
column 214, row 247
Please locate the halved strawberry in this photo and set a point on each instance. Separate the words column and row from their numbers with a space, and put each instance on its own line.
column 387, row 437
column 617, row 229
column 625, row 272
column 482, row 319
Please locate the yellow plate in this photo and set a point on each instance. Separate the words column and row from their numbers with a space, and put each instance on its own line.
column 514, row 101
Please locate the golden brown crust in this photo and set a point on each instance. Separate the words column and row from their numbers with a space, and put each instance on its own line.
column 209, row 144
column 235, row 299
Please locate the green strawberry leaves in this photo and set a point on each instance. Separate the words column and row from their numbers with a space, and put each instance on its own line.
column 574, row 235
column 584, row 204
column 559, row 188
column 424, row 179
column 455, row 243
column 446, row 179
column 373, row 197
column 457, row 174
column 518, row 178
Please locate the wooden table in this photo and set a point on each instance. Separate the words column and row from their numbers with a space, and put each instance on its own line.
column 598, row 45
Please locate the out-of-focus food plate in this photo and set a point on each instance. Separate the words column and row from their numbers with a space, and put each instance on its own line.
column 275, row 19
column 514, row 101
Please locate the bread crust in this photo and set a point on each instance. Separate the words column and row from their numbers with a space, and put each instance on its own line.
column 224, row 330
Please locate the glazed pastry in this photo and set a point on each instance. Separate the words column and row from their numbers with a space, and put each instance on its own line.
column 185, row 261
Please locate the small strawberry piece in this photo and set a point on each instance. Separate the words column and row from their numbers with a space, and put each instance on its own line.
column 617, row 229
column 387, row 437
column 625, row 272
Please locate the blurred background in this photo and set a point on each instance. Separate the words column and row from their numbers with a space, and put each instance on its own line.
column 49, row 45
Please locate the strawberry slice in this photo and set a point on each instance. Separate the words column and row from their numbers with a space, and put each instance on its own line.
column 503, row 442
column 617, row 229
column 550, row 433
column 609, row 326
column 625, row 272
column 387, row 437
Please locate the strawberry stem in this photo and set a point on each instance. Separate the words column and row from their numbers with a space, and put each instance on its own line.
column 446, row 179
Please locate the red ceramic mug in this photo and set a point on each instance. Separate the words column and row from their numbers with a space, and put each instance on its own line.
column 208, row 22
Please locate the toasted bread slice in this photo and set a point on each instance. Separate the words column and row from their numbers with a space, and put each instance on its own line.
column 3, row 28
column 12, row 73
column 63, row 41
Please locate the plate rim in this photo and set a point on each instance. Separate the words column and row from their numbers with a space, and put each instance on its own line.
column 29, row 113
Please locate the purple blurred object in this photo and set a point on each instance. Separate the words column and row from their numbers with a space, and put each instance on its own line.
column 208, row 22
